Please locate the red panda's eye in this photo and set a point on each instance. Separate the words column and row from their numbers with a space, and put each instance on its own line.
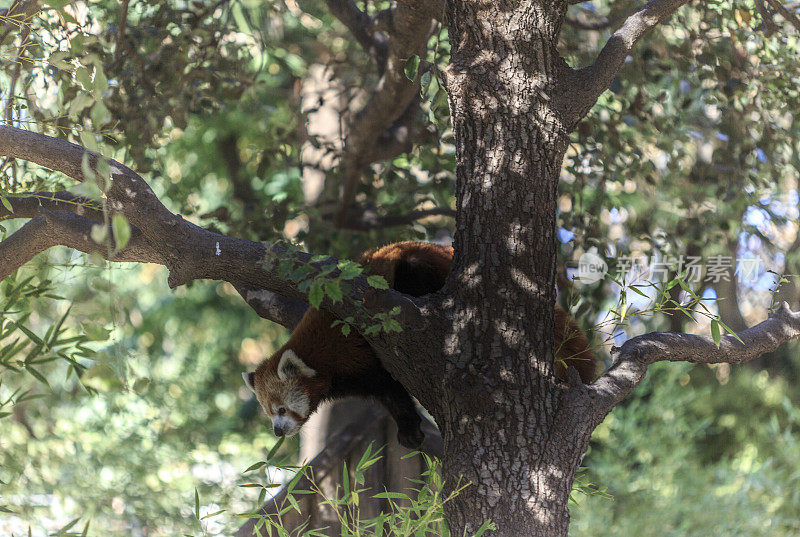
column 281, row 411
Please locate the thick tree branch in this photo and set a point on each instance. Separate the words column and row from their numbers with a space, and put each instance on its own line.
column 159, row 236
column 128, row 193
column 63, row 228
column 584, row 86
column 74, row 233
column 636, row 354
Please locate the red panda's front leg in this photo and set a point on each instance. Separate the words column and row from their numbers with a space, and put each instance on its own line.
column 402, row 408
column 378, row 383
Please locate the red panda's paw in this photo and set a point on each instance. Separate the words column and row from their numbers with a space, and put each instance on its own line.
column 411, row 437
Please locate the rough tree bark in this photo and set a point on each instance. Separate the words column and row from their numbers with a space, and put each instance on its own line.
column 478, row 354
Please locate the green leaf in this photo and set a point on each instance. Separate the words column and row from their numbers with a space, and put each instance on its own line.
column 390, row 325
column 275, row 448
column 392, row 496
column 100, row 80
column 37, row 375
column 95, row 331
column 486, row 526
column 101, row 377
column 56, row 59
column 213, row 514
column 82, row 76
column 333, row 290
column 412, row 67
column 89, row 142
column 87, row 189
column 6, row 204
column 729, row 330
column 315, row 294
column 637, row 291
column 81, row 101
column 715, row 332
column 121, row 229
column 255, row 466
column 349, row 270
column 196, row 504
column 140, row 385
column 378, row 282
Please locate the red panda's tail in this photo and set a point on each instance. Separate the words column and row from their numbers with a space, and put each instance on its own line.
column 572, row 348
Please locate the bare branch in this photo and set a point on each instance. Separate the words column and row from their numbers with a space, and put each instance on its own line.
column 369, row 219
column 636, row 354
column 585, row 85
column 592, row 26
column 785, row 13
column 409, row 28
column 123, row 24
column 768, row 24
column 360, row 25
column 21, row 14
column 273, row 307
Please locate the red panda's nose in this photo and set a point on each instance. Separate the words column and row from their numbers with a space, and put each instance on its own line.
column 278, row 429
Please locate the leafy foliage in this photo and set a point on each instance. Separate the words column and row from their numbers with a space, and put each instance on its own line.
column 120, row 394
column 418, row 511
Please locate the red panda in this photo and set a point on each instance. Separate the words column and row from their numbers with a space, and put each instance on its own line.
column 320, row 363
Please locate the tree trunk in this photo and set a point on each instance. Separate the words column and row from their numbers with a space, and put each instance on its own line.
column 502, row 415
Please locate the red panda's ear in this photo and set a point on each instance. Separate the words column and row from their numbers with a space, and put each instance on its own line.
column 291, row 365
column 249, row 381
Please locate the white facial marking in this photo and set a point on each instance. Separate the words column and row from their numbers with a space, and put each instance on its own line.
column 289, row 426
column 219, row 252
column 297, row 402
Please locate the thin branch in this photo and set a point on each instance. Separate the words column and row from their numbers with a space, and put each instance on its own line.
column 785, row 13
column 636, row 354
column 592, row 26
column 768, row 24
column 30, row 204
column 24, row 22
column 360, row 24
column 582, row 87
column 123, row 24
column 15, row 16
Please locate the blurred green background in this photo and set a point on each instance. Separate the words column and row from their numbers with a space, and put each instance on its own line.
column 121, row 400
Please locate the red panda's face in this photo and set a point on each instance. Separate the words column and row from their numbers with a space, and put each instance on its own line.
column 282, row 392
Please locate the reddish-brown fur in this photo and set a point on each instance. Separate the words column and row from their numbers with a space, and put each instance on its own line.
column 346, row 365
